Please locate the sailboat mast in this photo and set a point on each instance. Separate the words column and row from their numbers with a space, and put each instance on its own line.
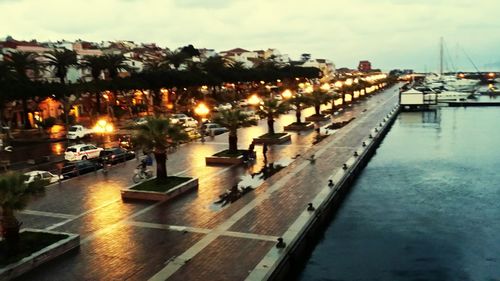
column 441, row 56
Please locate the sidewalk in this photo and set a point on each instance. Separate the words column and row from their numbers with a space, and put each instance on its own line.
column 191, row 238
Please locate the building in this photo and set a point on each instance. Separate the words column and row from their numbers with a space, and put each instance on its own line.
column 365, row 66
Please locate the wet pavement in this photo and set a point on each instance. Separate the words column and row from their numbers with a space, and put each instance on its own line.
column 137, row 241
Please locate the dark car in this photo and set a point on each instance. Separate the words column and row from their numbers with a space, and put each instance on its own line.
column 115, row 155
column 76, row 168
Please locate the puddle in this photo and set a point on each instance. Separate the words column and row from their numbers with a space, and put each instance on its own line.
column 248, row 182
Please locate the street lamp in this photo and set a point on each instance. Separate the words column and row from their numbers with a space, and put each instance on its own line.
column 287, row 94
column 103, row 127
column 254, row 100
column 202, row 111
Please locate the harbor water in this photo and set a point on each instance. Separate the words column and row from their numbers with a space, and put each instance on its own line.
column 426, row 207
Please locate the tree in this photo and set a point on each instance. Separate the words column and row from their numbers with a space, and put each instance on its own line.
column 233, row 119
column 60, row 61
column 176, row 58
column 190, row 51
column 317, row 98
column 20, row 63
column 96, row 65
column 14, row 196
column 157, row 135
column 114, row 64
column 299, row 101
column 271, row 108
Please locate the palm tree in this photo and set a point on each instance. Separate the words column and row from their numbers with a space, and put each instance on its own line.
column 20, row 63
column 233, row 119
column 14, row 196
column 317, row 98
column 157, row 135
column 114, row 64
column 60, row 61
column 96, row 65
column 299, row 101
column 176, row 58
column 271, row 108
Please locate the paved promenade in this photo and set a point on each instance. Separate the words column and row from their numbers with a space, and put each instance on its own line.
column 191, row 238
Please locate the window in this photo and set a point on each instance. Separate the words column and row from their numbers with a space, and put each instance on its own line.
column 71, row 149
column 46, row 175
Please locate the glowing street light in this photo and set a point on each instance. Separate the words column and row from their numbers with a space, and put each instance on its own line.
column 102, row 126
column 348, row 82
column 325, row 87
column 254, row 99
column 287, row 94
column 202, row 111
column 338, row 84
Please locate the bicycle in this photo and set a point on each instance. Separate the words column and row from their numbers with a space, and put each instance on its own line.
column 141, row 174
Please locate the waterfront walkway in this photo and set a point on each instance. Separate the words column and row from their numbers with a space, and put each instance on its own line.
column 191, row 238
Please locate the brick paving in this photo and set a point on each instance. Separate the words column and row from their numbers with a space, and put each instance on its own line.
column 136, row 241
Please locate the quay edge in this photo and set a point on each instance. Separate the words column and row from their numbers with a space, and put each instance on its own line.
column 292, row 258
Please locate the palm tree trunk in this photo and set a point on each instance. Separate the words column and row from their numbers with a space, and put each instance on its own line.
column 26, row 121
column 270, row 125
column 298, row 114
column 98, row 102
column 161, row 165
column 317, row 109
column 233, row 141
column 333, row 106
column 10, row 230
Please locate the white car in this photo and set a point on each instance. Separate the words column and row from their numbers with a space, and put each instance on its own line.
column 214, row 129
column 41, row 175
column 224, row 106
column 188, row 122
column 175, row 118
column 78, row 132
column 140, row 121
column 82, row 152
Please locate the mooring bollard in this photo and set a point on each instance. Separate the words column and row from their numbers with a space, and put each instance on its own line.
column 330, row 183
column 364, row 144
column 280, row 244
column 355, row 154
column 310, row 207
column 344, row 166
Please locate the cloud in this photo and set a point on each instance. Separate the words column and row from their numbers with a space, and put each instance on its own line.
column 390, row 33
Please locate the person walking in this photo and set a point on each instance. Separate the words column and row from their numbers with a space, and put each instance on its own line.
column 264, row 152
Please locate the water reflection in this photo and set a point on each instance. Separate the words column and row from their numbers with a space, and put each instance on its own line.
column 250, row 181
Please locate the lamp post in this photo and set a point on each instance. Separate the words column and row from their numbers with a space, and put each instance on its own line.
column 201, row 110
column 103, row 127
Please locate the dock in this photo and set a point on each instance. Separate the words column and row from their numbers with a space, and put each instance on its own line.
column 472, row 103
column 245, row 245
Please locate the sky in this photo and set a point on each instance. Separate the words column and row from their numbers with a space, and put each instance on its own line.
column 389, row 33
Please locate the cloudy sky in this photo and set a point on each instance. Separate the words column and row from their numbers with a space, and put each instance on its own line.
column 389, row 33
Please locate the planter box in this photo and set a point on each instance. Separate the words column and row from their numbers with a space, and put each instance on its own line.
column 221, row 160
column 318, row 118
column 182, row 188
column 284, row 138
column 42, row 256
column 301, row 127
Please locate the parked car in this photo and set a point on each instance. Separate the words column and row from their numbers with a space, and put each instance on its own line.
column 188, row 122
column 175, row 118
column 115, row 155
column 214, row 129
column 78, row 132
column 82, row 152
column 73, row 169
column 223, row 106
column 243, row 103
column 252, row 116
column 41, row 175
column 140, row 121
column 192, row 133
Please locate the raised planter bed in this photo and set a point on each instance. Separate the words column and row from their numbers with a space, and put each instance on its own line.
column 56, row 244
column 225, row 158
column 299, row 126
column 317, row 118
column 150, row 191
column 273, row 139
